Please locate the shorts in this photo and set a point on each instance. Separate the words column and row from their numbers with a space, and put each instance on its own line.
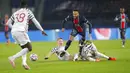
column 21, row 38
column 6, row 33
column 89, row 52
column 122, row 29
column 66, row 57
column 75, row 32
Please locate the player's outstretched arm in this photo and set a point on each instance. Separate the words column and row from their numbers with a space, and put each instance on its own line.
column 37, row 24
column 90, row 27
column 49, row 54
column 64, row 21
column 127, row 19
column 88, row 23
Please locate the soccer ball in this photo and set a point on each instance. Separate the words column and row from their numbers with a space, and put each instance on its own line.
column 33, row 57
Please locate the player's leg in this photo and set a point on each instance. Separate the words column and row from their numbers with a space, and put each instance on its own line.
column 24, row 63
column 100, row 55
column 76, row 56
column 24, row 58
column 73, row 34
column 68, row 43
column 23, row 40
column 7, row 37
column 81, row 41
column 67, row 56
column 12, row 58
column 122, row 32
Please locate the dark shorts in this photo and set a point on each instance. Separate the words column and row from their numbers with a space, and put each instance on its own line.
column 6, row 33
column 122, row 30
column 75, row 32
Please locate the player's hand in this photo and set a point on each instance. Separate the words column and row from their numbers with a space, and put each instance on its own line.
column 44, row 33
column 97, row 60
column 63, row 29
column 46, row 58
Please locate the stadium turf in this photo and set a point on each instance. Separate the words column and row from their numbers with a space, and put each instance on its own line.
column 53, row 65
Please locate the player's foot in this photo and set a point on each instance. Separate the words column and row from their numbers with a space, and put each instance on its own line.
column 15, row 42
column 123, row 46
column 11, row 60
column 75, row 57
column 113, row 59
column 26, row 67
column 8, row 42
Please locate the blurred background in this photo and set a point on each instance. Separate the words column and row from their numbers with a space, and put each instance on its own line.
column 50, row 13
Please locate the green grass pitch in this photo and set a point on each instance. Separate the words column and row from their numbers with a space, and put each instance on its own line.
column 53, row 65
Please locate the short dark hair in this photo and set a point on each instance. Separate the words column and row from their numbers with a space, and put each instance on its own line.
column 23, row 3
column 122, row 8
column 76, row 10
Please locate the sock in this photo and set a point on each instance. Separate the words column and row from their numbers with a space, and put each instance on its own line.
column 75, row 56
column 80, row 49
column 102, row 55
column 81, row 43
column 123, row 41
column 68, row 44
column 24, row 58
column 21, row 53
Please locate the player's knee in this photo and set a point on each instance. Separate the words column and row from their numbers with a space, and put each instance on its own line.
column 29, row 46
column 81, row 41
column 22, row 46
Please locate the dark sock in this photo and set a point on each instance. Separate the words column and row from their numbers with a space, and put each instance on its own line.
column 80, row 50
column 80, row 47
column 109, row 58
column 123, row 38
column 68, row 44
column 123, row 41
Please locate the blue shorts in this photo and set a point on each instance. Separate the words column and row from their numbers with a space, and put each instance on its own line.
column 75, row 32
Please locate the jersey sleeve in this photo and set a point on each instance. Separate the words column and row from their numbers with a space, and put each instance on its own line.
column 88, row 23
column 127, row 18
column 31, row 15
column 12, row 17
column 34, row 20
column 54, row 50
column 68, row 18
column 37, row 24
